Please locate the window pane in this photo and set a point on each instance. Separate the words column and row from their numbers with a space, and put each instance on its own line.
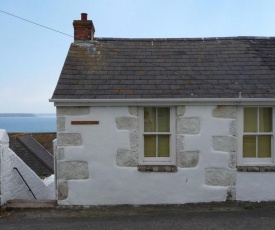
column 149, row 119
column 250, row 119
column 249, row 146
column 163, row 119
column 264, row 146
column 149, row 145
column 265, row 119
column 163, row 146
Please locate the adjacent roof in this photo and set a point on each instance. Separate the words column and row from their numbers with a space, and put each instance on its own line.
column 31, row 159
column 169, row 68
column 38, row 151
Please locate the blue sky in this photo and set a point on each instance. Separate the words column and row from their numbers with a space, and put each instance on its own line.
column 32, row 57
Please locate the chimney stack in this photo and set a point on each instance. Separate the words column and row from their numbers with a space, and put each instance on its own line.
column 83, row 29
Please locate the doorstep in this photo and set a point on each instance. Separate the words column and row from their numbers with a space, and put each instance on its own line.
column 18, row 203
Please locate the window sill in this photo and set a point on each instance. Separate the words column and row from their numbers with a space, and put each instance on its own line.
column 256, row 168
column 157, row 168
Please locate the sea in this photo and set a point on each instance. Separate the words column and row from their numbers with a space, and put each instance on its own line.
column 34, row 124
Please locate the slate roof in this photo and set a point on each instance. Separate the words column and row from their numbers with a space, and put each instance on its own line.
column 36, row 149
column 169, row 68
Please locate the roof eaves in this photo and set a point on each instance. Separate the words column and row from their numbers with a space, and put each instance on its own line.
column 163, row 101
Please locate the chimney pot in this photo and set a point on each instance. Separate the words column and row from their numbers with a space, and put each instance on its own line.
column 83, row 29
column 84, row 17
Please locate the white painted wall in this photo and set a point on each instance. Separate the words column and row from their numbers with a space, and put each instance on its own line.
column 111, row 184
column 255, row 186
column 12, row 185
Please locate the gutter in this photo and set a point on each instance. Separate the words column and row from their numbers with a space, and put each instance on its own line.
column 163, row 102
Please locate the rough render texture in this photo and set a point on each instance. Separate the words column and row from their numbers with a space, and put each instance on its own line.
column 69, row 139
column 224, row 111
column 127, row 158
column 61, row 124
column 180, row 111
column 126, row 123
column 189, row 125
column 220, row 177
column 187, row 159
column 63, row 190
column 68, row 170
column 72, row 111
column 224, row 143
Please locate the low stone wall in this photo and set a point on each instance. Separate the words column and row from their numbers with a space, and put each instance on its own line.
column 45, row 139
column 4, row 144
column 12, row 185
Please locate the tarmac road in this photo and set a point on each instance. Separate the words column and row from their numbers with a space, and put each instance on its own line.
column 171, row 217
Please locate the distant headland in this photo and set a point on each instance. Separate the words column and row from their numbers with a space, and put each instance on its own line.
column 17, row 115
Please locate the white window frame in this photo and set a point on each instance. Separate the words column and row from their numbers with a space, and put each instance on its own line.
column 157, row 160
column 243, row 161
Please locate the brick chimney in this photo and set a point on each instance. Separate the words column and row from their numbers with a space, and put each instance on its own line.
column 83, row 29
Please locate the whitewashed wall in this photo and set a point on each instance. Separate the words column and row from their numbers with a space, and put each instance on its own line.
column 12, row 185
column 91, row 169
column 255, row 186
column 88, row 171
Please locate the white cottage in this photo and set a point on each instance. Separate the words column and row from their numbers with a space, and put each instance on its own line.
column 165, row 121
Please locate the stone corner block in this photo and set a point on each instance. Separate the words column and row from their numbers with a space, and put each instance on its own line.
column 126, row 123
column 187, row 159
column 225, row 111
column 72, row 111
column 61, row 121
column 133, row 111
column 127, row 158
column 59, row 154
column 224, row 143
column 69, row 139
column 233, row 128
column 134, row 140
column 189, row 125
column 62, row 190
column 180, row 142
column 220, row 177
column 232, row 160
column 72, row 170
column 180, row 111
